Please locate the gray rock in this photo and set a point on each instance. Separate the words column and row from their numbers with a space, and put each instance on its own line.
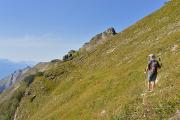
column 99, row 39
column 176, row 116
column 70, row 55
column 55, row 60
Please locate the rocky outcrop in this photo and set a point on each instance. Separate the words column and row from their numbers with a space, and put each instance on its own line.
column 176, row 116
column 10, row 80
column 7, row 67
column 71, row 54
column 99, row 39
column 55, row 60
column 94, row 42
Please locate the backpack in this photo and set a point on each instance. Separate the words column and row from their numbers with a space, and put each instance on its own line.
column 153, row 66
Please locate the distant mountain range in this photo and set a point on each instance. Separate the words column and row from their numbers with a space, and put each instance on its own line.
column 7, row 67
column 11, row 79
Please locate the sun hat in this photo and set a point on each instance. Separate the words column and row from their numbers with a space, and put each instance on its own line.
column 152, row 56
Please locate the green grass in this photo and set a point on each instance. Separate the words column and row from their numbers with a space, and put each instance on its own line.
column 107, row 83
column 8, row 107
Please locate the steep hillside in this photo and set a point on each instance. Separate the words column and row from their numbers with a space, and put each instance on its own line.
column 108, row 83
column 21, row 74
column 21, row 79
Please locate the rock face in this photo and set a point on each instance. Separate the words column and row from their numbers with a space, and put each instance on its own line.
column 10, row 80
column 94, row 42
column 22, row 74
column 70, row 55
column 7, row 66
column 99, row 39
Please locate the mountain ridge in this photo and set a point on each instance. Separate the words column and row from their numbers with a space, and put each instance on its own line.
column 99, row 39
column 11, row 79
column 7, row 66
column 107, row 83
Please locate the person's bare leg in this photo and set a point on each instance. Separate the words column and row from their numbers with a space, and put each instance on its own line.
column 149, row 86
column 153, row 85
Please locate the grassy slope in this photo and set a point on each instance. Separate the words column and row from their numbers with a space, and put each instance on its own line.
column 108, row 82
column 10, row 98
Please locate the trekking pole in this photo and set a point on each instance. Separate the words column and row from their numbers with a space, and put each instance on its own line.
column 145, row 76
column 160, row 62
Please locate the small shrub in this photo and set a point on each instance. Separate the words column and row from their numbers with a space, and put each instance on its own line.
column 29, row 79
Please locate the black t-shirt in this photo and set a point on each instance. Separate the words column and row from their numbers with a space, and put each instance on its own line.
column 153, row 65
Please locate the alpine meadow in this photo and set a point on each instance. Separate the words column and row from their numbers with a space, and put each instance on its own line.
column 105, row 80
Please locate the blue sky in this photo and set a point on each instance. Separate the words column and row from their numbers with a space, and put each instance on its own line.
column 42, row 30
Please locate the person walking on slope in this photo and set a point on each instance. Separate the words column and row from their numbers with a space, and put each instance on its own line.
column 152, row 69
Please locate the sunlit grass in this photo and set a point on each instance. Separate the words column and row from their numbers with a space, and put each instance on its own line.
column 108, row 83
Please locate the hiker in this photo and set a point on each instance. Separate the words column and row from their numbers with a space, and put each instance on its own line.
column 152, row 68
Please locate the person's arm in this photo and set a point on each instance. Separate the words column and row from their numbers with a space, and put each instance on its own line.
column 146, row 69
column 159, row 66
